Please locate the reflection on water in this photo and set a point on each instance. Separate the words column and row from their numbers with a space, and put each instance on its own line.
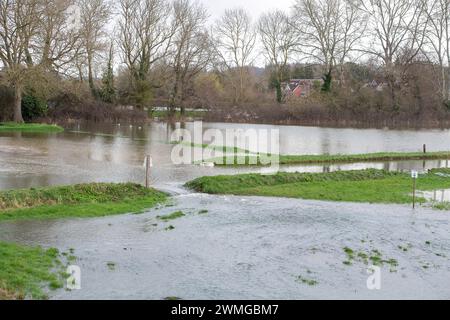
column 114, row 153
column 436, row 195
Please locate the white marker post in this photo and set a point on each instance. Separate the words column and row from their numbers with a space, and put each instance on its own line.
column 148, row 163
column 414, row 176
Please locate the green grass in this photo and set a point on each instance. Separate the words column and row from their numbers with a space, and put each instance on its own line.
column 29, row 127
column 172, row 216
column 83, row 200
column 372, row 186
column 322, row 159
column 28, row 272
column 307, row 281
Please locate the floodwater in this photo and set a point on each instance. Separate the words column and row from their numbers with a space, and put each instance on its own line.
column 250, row 248
column 113, row 153
column 436, row 195
column 244, row 247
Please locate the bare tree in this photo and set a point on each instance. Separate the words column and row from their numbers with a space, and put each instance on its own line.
column 235, row 36
column 145, row 31
column 437, row 47
column 330, row 29
column 56, row 43
column 94, row 17
column 18, row 23
column 398, row 30
column 279, row 40
column 192, row 48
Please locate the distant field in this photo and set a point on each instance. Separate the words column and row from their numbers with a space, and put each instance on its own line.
column 29, row 127
column 259, row 160
column 371, row 186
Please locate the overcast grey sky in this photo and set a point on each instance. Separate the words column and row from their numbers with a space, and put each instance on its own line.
column 254, row 7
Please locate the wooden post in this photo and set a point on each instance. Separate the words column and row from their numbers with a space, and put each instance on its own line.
column 414, row 176
column 424, row 148
column 147, row 171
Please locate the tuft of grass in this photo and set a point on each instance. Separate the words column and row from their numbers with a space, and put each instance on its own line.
column 169, row 228
column 111, row 265
column 172, row 216
column 375, row 257
column 27, row 272
column 307, row 281
column 164, row 114
column 83, row 200
column 371, row 185
column 172, row 298
column 204, row 211
column 29, row 127
column 444, row 206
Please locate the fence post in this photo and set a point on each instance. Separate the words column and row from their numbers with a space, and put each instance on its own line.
column 414, row 176
column 147, row 171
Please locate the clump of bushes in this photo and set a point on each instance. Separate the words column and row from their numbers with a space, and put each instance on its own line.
column 33, row 107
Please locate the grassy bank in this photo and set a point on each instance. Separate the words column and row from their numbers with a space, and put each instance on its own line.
column 326, row 159
column 372, row 186
column 83, row 200
column 29, row 127
column 28, row 272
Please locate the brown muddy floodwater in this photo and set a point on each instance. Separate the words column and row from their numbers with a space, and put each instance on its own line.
column 112, row 153
column 242, row 247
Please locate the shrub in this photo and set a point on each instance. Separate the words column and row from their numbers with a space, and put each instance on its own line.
column 33, row 107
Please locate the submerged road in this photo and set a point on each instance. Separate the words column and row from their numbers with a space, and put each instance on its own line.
column 251, row 248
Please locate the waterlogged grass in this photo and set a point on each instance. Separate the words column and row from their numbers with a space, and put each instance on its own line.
column 307, row 281
column 372, row 257
column 83, row 200
column 259, row 160
column 172, row 216
column 28, row 272
column 372, row 186
column 29, row 127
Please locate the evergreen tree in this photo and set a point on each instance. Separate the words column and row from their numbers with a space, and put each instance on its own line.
column 108, row 92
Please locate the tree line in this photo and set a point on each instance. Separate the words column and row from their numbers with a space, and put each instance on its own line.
column 169, row 53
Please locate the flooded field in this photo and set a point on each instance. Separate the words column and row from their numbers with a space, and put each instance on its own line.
column 251, row 248
column 229, row 247
column 113, row 153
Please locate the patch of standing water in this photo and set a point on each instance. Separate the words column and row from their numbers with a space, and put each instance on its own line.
column 435, row 195
column 112, row 153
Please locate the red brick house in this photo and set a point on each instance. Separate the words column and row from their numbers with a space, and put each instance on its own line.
column 300, row 87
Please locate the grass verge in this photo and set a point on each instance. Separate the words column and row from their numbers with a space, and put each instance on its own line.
column 82, row 200
column 28, row 272
column 29, row 127
column 372, row 186
column 259, row 160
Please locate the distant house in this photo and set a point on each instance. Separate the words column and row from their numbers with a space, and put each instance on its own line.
column 376, row 85
column 300, row 87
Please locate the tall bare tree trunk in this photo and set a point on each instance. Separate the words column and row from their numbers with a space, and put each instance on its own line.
column 18, row 103
column 90, row 76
